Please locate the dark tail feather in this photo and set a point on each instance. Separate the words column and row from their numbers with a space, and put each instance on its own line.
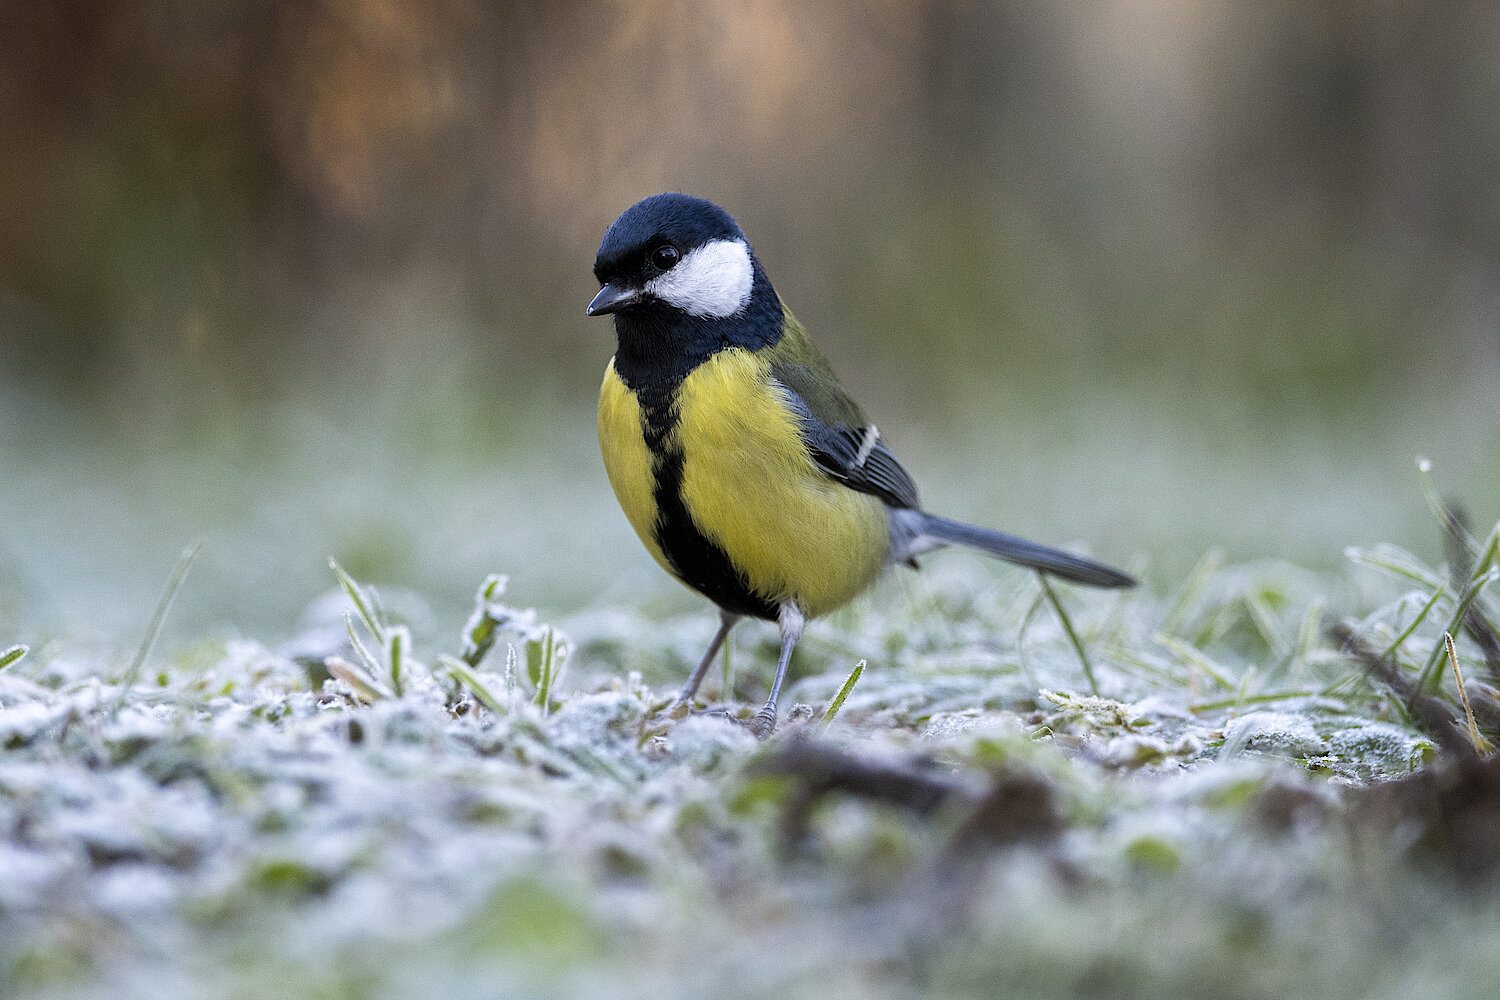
column 1021, row 552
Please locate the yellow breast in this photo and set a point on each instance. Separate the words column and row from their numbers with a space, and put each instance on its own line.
column 752, row 488
column 627, row 461
column 749, row 485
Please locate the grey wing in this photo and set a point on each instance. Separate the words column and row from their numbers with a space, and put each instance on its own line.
column 855, row 456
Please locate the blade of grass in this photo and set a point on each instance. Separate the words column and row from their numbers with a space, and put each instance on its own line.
column 512, row 665
column 359, row 647
column 1192, row 591
column 1406, row 570
column 1036, row 605
column 13, row 655
column 1224, row 619
column 1245, row 680
column 838, row 699
column 1481, row 745
column 536, row 661
column 364, row 603
column 1310, row 629
column 483, row 626
column 158, row 619
column 460, row 672
column 599, row 764
column 397, row 639
column 1196, row 657
column 1490, row 556
column 546, row 656
column 1302, row 647
column 1344, row 685
column 1254, row 699
column 1454, row 526
column 1067, row 624
column 1139, row 662
column 364, row 687
column 1431, row 672
column 1264, row 620
column 1421, row 616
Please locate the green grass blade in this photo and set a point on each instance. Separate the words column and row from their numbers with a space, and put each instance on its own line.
column 1481, row 745
column 364, row 687
column 367, row 657
column 512, row 670
column 397, row 639
column 1392, row 560
column 1440, row 509
column 1067, row 624
column 838, row 699
column 483, row 626
column 1195, row 657
column 543, row 661
column 1026, row 619
column 460, row 672
column 365, row 604
column 1421, row 616
column 535, row 661
column 1264, row 620
column 1432, row 672
column 544, row 682
column 1252, row 699
column 1490, row 556
column 1310, row 628
column 158, row 618
column 1192, row 591
column 13, row 655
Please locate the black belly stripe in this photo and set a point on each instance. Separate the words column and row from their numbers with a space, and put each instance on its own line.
column 700, row 563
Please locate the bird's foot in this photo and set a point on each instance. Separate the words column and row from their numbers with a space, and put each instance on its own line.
column 762, row 723
column 680, row 709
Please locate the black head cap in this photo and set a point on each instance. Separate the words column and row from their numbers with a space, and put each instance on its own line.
column 681, row 220
column 667, row 320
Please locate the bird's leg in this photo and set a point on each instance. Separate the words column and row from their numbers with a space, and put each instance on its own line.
column 727, row 621
column 792, row 621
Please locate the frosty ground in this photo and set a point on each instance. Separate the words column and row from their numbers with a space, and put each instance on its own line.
column 1209, row 795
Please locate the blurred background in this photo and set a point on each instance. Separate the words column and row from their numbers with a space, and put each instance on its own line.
column 308, row 279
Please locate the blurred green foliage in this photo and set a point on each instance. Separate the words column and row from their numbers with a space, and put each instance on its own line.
column 309, row 278
column 1285, row 191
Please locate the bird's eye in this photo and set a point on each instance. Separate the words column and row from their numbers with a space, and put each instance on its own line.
column 664, row 257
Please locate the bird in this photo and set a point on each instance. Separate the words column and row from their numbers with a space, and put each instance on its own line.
column 745, row 468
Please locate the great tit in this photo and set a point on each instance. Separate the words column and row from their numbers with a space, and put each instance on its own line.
column 745, row 468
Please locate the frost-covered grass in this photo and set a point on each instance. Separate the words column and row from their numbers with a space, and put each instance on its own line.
column 512, row 814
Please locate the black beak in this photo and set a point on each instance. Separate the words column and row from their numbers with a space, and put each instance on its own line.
column 613, row 298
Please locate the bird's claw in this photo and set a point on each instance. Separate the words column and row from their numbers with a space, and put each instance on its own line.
column 762, row 723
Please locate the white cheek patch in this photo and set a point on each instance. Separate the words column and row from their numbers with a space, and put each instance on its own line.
column 713, row 280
